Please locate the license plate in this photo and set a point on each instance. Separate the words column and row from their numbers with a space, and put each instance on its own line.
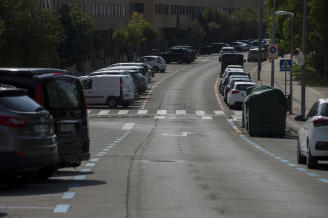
column 67, row 128
column 41, row 128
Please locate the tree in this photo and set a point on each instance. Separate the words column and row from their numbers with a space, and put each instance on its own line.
column 77, row 36
column 30, row 34
column 120, row 37
column 193, row 33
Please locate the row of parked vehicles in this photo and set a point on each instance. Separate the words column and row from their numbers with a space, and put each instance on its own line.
column 43, row 123
column 120, row 84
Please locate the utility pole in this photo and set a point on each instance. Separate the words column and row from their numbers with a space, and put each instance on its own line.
column 303, row 68
column 291, row 57
column 260, row 42
column 273, row 40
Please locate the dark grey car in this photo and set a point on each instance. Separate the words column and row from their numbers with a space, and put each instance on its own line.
column 28, row 142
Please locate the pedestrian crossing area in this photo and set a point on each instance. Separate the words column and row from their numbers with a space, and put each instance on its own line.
column 157, row 114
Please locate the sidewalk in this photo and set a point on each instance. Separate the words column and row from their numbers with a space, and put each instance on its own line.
column 312, row 94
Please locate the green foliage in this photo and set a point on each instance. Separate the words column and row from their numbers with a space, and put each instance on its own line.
column 317, row 32
column 29, row 35
column 192, row 32
column 77, row 35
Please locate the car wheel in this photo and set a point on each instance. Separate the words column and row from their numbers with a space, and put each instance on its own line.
column 111, row 102
column 300, row 158
column 311, row 162
column 156, row 69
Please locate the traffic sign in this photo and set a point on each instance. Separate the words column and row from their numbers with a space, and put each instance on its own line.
column 272, row 51
column 286, row 65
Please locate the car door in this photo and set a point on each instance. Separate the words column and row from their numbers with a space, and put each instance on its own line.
column 306, row 127
column 87, row 85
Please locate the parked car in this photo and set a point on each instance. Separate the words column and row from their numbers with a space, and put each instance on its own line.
column 28, row 141
column 147, row 72
column 230, row 72
column 62, row 95
column 156, row 62
column 139, row 80
column 217, row 46
column 240, row 46
column 231, row 59
column 226, row 50
column 110, row 90
column 230, row 84
column 313, row 135
column 236, row 95
column 254, row 53
column 179, row 55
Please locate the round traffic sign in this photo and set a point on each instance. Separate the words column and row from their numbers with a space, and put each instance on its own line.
column 273, row 49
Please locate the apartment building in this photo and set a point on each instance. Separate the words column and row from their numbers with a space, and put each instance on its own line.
column 104, row 14
column 173, row 13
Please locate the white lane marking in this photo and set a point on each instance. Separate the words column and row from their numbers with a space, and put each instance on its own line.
column 180, row 112
column 207, row 118
column 90, row 164
column 61, row 208
column 128, row 126
column 94, row 160
column 100, row 155
column 301, row 169
column 109, row 146
column 80, row 177
column 105, row 149
column 200, row 113
column 142, row 112
column 103, row 112
column 123, row 112
column 162, row 112
column 292, row 165
column 85, row 170
column 218, row 112
column 323, row 180
column 102, row 152
column 159, row 117
column 68, row 195
column 313, row 174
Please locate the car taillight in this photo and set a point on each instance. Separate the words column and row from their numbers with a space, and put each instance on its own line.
column 234, row 92
column 320, row 122
column 11, row 121
column 38, row 93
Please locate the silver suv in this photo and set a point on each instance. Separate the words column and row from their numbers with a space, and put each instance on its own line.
column 28, row 142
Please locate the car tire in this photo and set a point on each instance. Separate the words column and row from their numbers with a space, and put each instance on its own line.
column 156, row 69
column 112, row 102
column 300, row 158
column 311, row 162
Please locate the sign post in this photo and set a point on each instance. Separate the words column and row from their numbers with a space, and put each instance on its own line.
column 286, row 65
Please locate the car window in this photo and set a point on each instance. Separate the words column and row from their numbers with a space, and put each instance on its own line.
column 314, row 111
column 86, row 84
column 243, row 87
column 19, row 103
column 62, row 94
column 324, row 111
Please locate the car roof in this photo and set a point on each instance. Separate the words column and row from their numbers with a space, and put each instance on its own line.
column 126, row 67
column 245, row 83
column 33, row 71
column 236, row 70
column 227, row 48
column 128, row 64
column 323, row 100
column 235, row 66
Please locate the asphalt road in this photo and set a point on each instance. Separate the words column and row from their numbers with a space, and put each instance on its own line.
column 177, row 152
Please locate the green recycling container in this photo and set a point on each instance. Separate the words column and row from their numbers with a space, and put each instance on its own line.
column 264, row 112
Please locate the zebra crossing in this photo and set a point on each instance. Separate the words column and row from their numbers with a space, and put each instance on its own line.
column 157, row 114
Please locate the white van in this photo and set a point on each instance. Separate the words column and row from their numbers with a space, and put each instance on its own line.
column 111, row 90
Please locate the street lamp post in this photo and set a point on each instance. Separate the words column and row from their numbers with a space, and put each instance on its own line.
column 291, row 54
column 303, row 68
column 273, row 40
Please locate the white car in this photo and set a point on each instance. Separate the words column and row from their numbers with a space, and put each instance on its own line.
column 236, row 95
column 225, row 50
column 313, row 135
column 156, row 62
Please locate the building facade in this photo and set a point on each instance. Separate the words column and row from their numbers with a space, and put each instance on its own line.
column 173, row 13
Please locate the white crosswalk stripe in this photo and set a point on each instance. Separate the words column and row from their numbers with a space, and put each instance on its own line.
column 180, row 112
column 207, row 118
column 103, row 112
column 162, row 112
column 218, row 112
column 200, row 113
column 142, row 112
column 123, row 112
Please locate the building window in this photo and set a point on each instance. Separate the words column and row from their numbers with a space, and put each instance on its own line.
column 123, row 11
column 136, row 7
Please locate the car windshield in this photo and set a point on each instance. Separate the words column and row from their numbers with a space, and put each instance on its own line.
column 63, row 94
column 243, row 87
column 19, row 103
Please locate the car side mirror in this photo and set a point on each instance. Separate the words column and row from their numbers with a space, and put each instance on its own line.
column 299, row 118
